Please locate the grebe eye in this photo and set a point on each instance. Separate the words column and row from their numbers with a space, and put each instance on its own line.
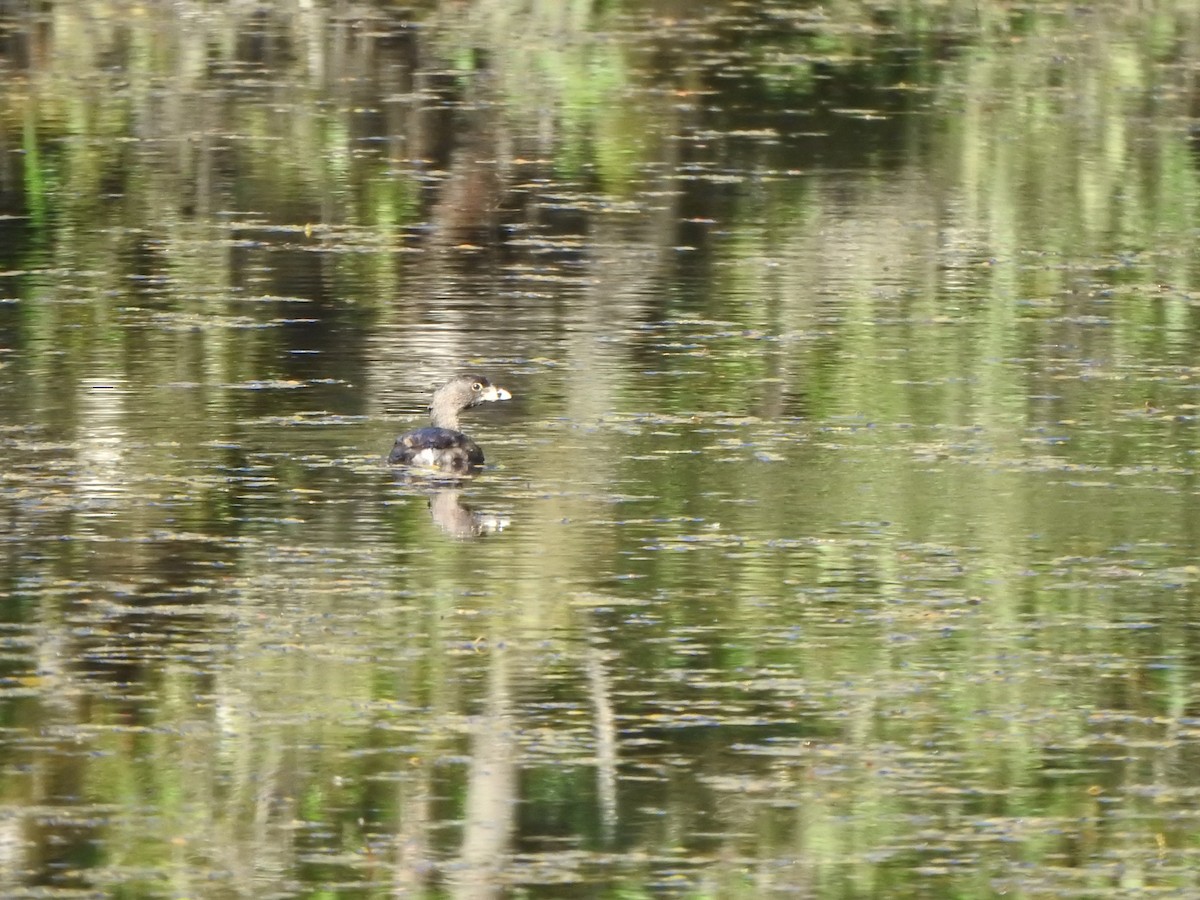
column 477, row 386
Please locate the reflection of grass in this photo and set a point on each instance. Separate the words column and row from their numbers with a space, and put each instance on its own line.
column 579, row 77
column 35, row 184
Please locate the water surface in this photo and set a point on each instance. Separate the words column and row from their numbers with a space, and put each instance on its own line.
column 839, row 540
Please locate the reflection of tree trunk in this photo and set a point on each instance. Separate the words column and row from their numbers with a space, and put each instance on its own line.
column 491, row 793
column 412, row 864
column 466, row 207
column 606, row 740
column 471, row 153
column 50, row 844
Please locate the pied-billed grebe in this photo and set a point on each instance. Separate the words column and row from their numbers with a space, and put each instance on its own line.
column 442, row 445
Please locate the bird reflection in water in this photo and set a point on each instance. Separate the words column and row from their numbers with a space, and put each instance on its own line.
column 447, row 506
column 458, row 519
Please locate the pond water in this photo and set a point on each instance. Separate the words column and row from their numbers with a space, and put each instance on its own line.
column 841, row 536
